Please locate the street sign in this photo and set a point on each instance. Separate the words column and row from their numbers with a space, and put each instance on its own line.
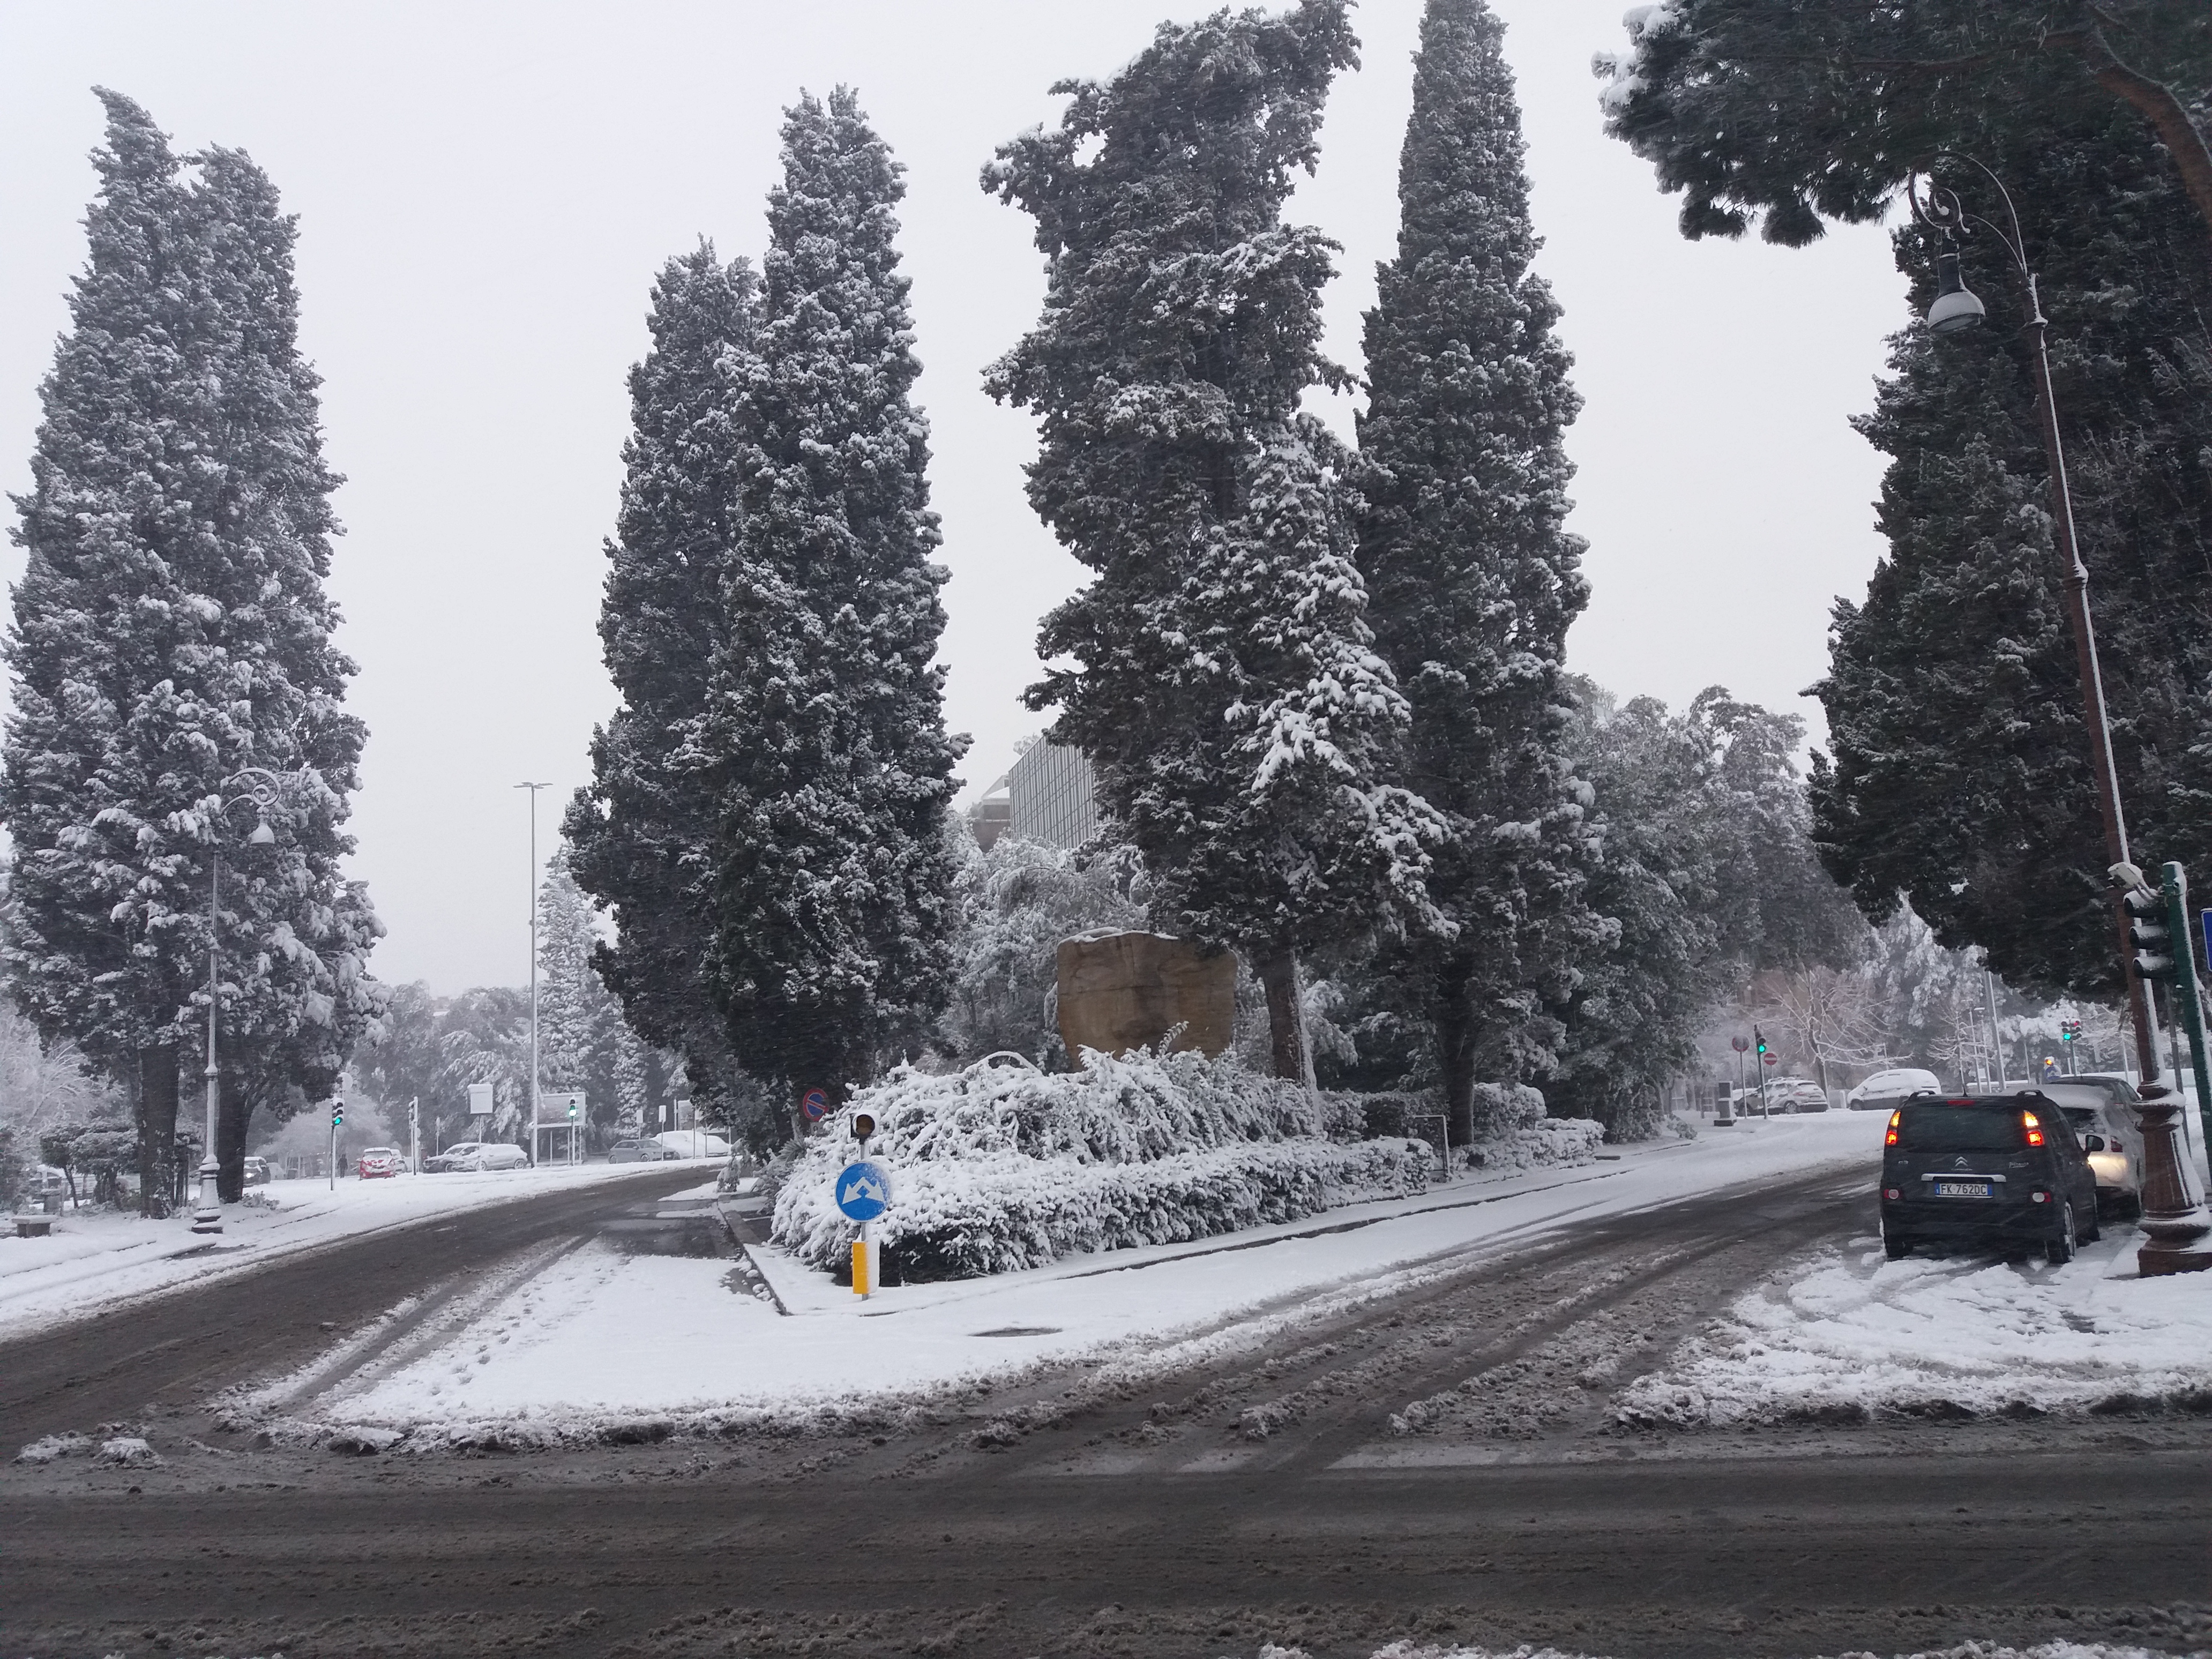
column 864, row 1190
column 1739, row 1044
column 480, row 1100
column 1772, row 1060
column 816, row 1104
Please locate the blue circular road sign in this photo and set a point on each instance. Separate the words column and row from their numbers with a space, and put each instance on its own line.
column 864, row 1190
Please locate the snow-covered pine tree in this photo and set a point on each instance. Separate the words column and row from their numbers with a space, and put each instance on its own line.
column 1472, row 579
column 172, row 629
column 581, row 1026
column 835, row 865
column 642, row 834
column 1225, row 683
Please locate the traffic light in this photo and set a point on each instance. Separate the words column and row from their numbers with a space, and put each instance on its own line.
column 1760, row 1041
column 2148, row 932
column 2070, row 1030
column 864, row 1125
column 572, row 1109
column 338, row 1114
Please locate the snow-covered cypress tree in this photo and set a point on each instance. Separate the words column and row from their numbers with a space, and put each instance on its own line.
column 834, row 868
column 641, row 834
column 1225, row 685
column 1472, row 578
column 582, row 1032
column 171, row 629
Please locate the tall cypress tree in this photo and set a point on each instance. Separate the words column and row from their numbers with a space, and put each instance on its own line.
column 1226, row 689
column 642, row 834
column 835, row 871
column 1473, row 579
column 172, row 629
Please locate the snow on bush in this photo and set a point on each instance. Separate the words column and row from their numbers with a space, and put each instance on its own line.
column 1001, row 1167
column 1511, row 1133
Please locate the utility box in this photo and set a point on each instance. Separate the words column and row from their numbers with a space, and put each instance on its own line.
column 1124, row 991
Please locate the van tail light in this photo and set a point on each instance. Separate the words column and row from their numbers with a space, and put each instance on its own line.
column 1892, row 1193
column 1895, row 1118
column 2038, row 1196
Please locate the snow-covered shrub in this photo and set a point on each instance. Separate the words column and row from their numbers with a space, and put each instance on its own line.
column 1547, row 1142
column 1502, row 1110
column 998, row 1166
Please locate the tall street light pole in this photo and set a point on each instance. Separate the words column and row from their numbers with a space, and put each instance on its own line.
column 2174, row 1216
column 263, row 789
column 533, row 788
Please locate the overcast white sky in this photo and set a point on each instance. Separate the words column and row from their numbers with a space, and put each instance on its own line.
column 485, row 192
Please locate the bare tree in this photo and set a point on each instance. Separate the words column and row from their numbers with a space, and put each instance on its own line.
column 1833, row 1015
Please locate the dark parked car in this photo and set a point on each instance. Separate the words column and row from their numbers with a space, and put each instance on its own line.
column 1985, row 1171
column 638, row 1151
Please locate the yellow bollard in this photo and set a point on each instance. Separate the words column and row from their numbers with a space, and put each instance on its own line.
column 860, row 1266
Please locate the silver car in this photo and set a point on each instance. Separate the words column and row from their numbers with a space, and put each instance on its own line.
column 2108, row 1133
column 473, row 1155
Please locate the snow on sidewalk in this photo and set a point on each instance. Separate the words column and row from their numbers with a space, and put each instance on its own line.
column 601, row 1337
column 1854, row 1335
column 94, row 1259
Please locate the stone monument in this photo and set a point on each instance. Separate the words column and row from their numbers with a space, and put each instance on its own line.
column 1123, row 991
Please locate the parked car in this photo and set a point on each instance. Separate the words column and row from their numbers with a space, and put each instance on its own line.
column 380, row 1161
column 639, row 1151
column 1795, row 1094
column 474, row 1155
column 692, row 1143
column 1985, row 1171
column 2109, row 1135
column 1884, row 1090
column 256, row 1172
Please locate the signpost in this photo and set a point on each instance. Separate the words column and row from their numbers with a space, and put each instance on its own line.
column 815, row 1103
column 864, row 1192
column 1743, row 1047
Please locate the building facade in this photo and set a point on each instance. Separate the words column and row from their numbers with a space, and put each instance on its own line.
column 1049, row 796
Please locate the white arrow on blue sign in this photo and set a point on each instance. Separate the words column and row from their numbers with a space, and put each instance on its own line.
column 864, row 1190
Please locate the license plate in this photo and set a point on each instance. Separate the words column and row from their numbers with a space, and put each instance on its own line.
column 1962, row 1189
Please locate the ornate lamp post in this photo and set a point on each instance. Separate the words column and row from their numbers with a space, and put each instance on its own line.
column 2174, row 1216
column 263, row 789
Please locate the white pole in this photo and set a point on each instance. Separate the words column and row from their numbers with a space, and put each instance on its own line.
column 207, row 1217
column 533, row 788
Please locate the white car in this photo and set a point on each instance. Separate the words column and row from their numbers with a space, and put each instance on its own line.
column 1883, row 1091
column 692, row 1143
column 2108, row 1133
column 473, row 1155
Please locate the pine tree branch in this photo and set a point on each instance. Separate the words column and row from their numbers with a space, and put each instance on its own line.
column 2158, row 104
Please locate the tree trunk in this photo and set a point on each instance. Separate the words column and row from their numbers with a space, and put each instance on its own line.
column 2156, row 103
column 1287, row 1017
column 1455, row 1040
column 234, row 1116
column 157, row 1125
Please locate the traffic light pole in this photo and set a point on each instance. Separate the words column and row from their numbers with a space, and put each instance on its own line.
column 2174, row 888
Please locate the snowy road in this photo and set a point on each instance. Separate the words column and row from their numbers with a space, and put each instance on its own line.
column 1435, row 1463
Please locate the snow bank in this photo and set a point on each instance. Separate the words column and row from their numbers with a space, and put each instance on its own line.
column 997, row 1168
column 1963, row 1650
column 1855, row 1336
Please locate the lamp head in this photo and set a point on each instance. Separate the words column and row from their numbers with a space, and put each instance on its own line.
column 263, row 836
column 1956, row 307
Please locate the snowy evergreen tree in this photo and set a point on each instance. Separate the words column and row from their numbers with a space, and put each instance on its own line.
column 834, row 862
column 1224, row 683
column 171, row 627
column 642, row 834
column 1473, row 581
column 581, row 1032
column 1796, row 113
column 1960, row 773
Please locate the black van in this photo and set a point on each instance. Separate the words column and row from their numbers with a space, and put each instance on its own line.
column 1988, row 1171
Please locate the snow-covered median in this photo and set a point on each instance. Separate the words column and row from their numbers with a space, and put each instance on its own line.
column 1854, row 1336
column 601, row 1345
column 94, row 1259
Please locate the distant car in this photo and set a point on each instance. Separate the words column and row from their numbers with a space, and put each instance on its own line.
column 469, row 1156
column 1985, row 1171
column 1795, row 1094
column 2109, row 1134
column 2114, row 1086
column 1884, row 1090
column 639, row 1151
column 380, row 1161
column 256, row 1172
column 692, row 1143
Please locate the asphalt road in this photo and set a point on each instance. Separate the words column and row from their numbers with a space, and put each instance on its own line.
column 171, row 1352
column 1434, row 1466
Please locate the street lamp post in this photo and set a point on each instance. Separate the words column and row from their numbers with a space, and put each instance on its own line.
column 263, row 789
column 533, row 788
column 2174, row 1216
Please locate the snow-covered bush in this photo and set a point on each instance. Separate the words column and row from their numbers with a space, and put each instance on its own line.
column 1000, row 1166
column 1543, row 1143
